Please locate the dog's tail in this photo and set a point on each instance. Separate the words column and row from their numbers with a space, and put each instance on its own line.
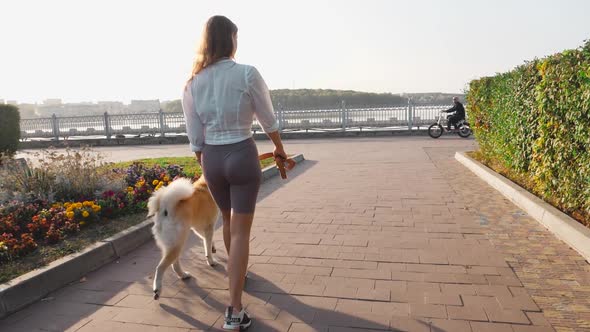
column 163, row 203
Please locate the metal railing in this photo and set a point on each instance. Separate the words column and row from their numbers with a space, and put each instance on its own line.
column 162, row 123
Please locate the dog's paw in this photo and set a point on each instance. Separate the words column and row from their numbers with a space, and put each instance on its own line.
column 211, row 262
column 186, row 276
column 156, row 294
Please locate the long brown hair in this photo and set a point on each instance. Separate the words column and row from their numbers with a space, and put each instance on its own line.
column 216, row 43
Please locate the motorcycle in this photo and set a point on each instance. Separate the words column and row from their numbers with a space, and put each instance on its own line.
column 438, row 128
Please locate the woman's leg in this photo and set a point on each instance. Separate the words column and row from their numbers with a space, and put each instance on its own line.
column 226, row 215
column 244, row 175
column 213, row 164
column 241, row 224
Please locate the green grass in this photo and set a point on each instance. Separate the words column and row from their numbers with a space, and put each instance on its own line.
column 46, row 254
column 189, row 164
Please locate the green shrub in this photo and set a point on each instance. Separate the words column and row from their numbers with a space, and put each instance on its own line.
column 9, row 130
column 59, row 176
column 535, row 121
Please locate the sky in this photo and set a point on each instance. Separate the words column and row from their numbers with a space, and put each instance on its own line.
column 81, row 50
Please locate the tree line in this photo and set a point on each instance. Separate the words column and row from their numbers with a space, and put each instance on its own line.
column 325, row 98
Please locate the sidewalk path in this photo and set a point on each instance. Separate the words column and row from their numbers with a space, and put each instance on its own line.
column 368, row 234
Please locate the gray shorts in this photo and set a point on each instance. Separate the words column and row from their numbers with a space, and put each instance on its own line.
column 233, row 174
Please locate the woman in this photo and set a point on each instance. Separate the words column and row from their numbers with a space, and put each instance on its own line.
column 220, row 101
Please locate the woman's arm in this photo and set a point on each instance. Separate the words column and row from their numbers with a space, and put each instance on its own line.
column 279, row 151
column 262, row 103
column 263, row 110
column 194, row 127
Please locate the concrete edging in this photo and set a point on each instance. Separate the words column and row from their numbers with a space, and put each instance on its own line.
column 32, row 286
column 563, row 226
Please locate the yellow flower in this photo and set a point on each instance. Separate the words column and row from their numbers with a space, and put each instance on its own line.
column 70, row 214
column 96, row 208
column 155, row 182
column 129, row 189
column 67, row 204
column 79, row 205
column 166, row 178
column 85, row 214
column 82, row 223
column 88, row 203
column 70, row 209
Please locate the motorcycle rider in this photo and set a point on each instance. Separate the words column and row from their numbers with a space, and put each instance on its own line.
column 459, row 115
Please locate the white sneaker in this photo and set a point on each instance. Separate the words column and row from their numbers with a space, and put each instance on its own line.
column 236, row 322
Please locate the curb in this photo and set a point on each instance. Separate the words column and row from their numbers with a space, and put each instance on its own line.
column 576, row 235
column 33, row 286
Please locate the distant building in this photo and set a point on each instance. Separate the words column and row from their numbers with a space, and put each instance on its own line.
column 48, row 110
column 49, row 107
column 27, row 111
column 144, row 106
column 111, row 106
column 78, row 109
column 52, row 101
column 55, row 106
column 12, row 102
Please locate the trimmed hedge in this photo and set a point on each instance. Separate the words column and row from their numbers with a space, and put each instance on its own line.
column 535, row 122
column 9, row 130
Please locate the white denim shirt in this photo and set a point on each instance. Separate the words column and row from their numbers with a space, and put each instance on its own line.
column 220, row 103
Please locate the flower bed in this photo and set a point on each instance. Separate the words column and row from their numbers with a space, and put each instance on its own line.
column 38, row 212
column 34, row 219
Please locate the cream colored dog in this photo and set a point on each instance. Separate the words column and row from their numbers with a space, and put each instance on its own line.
column 176, row 209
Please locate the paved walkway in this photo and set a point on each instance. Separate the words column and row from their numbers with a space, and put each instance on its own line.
column 368, row 234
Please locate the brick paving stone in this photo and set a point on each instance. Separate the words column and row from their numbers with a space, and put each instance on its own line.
column 545, row 272
column 538, row 319
column 442, row 298
column 410, row 324
column 467, row 313
column 300, row 289
column 301, row 327
column 367, row 234
column 490, row 327
column 443, row 325
column 521, row 328
column 340, row 292
column 428, row 310
column 506, row 316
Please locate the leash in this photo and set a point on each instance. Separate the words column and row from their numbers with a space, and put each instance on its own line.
column 283, row 165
